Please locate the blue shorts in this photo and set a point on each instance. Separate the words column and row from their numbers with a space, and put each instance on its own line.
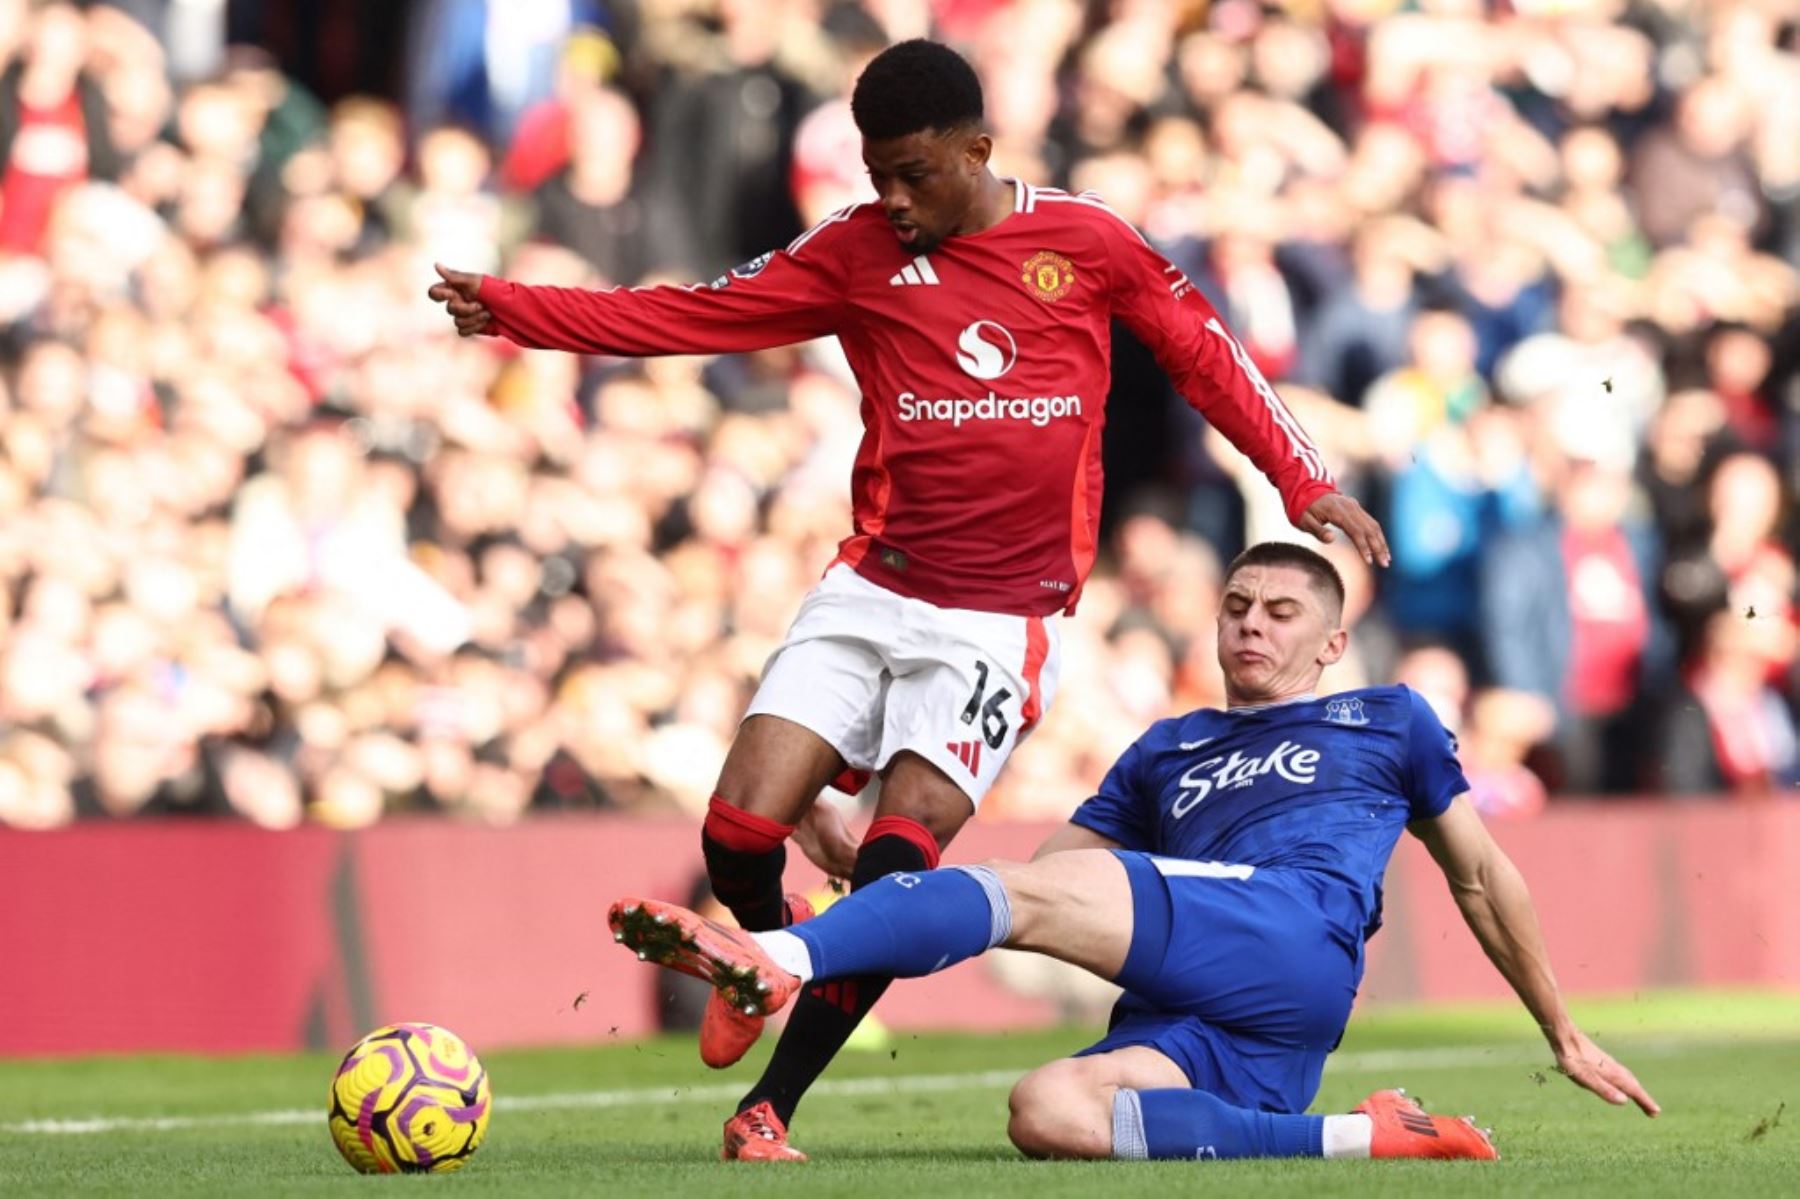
column 1236, row 974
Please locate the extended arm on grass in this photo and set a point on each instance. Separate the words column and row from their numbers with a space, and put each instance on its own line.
column 1497, row 907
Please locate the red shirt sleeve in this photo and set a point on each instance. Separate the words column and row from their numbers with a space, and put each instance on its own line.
column 1211, row 370
column 784, row 296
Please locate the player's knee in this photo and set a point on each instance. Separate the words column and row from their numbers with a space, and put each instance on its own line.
column 1029, row 900
column 919, row 791
column 893, row 844
column 1060, row 1111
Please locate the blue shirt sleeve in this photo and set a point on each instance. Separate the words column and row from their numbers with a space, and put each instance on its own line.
column 1434, row 775
column 1124, row 809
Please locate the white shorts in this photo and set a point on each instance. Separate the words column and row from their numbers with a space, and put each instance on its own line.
column 875, row 673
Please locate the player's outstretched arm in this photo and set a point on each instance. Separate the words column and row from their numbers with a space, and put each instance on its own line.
column 1497, row 907
column 1214, row 373
column 783, row 297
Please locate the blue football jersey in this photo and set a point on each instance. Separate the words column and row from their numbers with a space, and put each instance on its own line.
column 1320, row 785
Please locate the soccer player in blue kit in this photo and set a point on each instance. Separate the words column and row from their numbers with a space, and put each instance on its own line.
column 1227, row 875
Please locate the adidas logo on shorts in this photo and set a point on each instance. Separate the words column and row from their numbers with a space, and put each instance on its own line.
column 968, row 753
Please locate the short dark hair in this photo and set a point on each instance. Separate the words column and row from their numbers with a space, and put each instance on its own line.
column 914, row 86
column 1317, row 567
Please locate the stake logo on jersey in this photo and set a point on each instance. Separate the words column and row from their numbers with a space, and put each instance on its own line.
column 1289, row 760
column 1293, row 786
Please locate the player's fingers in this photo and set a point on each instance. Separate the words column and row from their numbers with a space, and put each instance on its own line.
column 1610, row 1081
column 1627, row 1082
column 1608, row 1092
column 1358, row 528
column 464, row 283
column 1587, row 1078
column 1318, row 528
column 1377, row 540
column 1365, row 531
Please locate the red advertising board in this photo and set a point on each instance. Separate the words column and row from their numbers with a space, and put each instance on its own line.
column 219, row 937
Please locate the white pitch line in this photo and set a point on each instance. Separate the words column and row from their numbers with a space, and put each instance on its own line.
column 909, row 1084
column 1370, row 1060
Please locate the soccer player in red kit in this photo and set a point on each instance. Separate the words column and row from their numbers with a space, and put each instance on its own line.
column 975, row 312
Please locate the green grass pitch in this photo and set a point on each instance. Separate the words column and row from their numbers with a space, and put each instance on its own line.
column 927, row 1115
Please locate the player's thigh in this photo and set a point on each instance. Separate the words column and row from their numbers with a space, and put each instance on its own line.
column 776, row 768
column 1064, row 1108
column 1246, row 950
column 968, row 688
column 818, row 708
column 1076, row 907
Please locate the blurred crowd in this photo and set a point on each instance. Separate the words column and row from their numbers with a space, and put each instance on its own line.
column 274, row 543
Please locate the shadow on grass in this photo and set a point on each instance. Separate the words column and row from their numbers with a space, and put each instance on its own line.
column 828, row 1155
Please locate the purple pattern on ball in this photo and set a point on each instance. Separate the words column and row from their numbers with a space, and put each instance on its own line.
column 448, row 1073
column 458, row 1115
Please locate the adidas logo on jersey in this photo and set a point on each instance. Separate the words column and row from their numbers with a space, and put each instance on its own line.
column 918, row 271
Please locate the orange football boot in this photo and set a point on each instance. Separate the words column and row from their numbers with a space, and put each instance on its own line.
column 727, row 1032
column 1404, row 1129
column 758, row 1135
column 728, row 959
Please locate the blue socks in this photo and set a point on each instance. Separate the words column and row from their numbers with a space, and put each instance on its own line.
column 1193, row 1124
column 909, row 925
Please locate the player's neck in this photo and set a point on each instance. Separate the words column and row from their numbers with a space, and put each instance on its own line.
column 1241, row 703
column 993, row 203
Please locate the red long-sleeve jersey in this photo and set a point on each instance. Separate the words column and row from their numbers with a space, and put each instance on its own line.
column 984, row 368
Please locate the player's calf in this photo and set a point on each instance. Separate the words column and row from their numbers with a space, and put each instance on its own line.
column 745, row 856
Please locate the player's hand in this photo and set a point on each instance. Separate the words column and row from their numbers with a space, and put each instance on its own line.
column 825, row 839
column 1588, row 1065
column 1336, row 508
column 460, row 294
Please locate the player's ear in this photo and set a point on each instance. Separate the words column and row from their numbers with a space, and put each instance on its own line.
column 1335, row 645
column 977, row 150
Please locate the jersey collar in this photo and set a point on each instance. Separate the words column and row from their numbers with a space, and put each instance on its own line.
column 1278, row 703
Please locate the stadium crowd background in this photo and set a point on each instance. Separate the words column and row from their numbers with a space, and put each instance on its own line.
column 274, row 543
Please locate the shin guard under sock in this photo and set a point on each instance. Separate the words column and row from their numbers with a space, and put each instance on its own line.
column 745, row 855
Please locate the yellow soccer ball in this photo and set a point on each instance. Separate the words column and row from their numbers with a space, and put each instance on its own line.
column 409, row 1098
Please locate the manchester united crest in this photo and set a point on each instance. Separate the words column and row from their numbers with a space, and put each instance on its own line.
column 1049, row 275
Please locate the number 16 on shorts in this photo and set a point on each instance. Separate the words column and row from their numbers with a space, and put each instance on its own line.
column 980, row 709
column 878, row 674
column 986, row 714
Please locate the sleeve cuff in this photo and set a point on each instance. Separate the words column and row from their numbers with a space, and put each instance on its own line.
column 1301, row 498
